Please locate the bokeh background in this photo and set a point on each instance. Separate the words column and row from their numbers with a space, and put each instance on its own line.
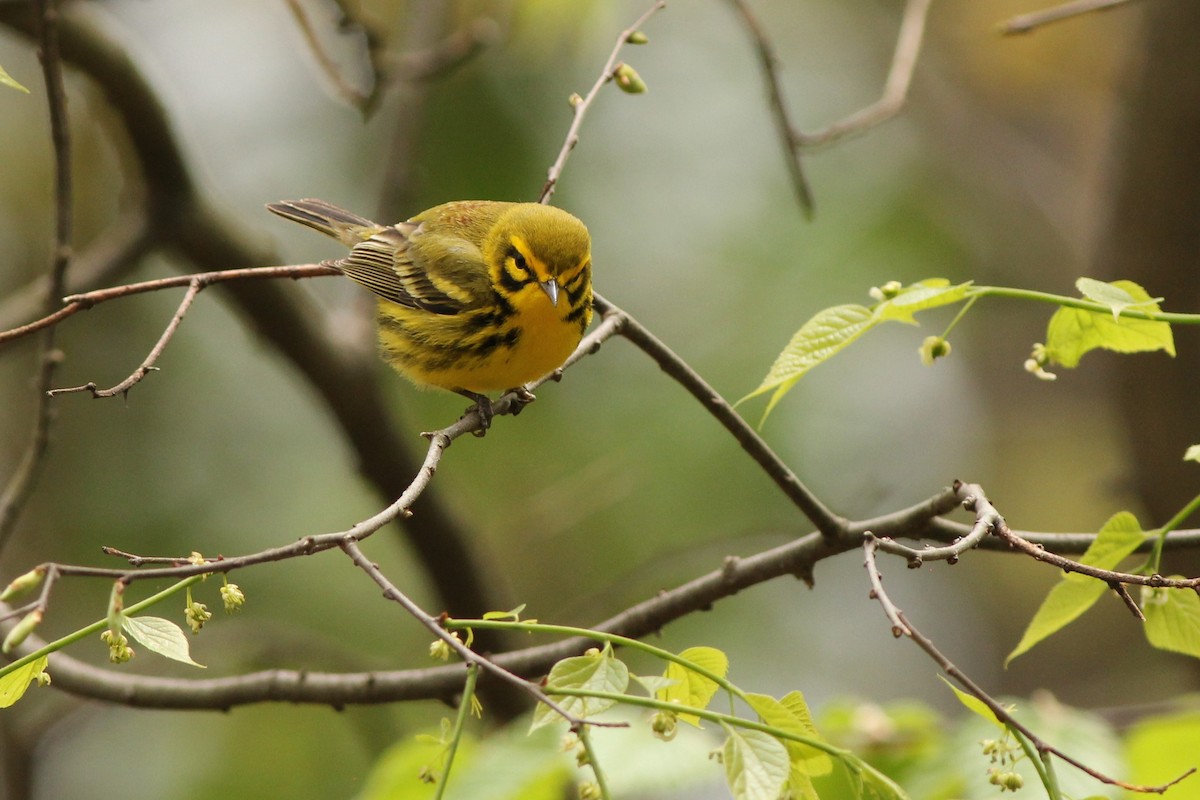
column 1022, row 161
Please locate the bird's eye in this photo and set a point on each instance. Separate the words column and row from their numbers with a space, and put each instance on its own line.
column 518, row 259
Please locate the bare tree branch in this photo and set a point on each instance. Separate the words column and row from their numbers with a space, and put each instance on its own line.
column 581, row 105
column 895, row 90
column 1024, row 23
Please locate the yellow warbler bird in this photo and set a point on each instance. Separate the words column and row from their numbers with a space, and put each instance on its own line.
column 475, row 296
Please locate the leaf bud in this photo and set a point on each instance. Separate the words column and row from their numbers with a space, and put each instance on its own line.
column 628, row 80
column 21, row 630
column 23, row 584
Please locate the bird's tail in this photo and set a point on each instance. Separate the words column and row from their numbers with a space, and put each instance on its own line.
column 345, row 226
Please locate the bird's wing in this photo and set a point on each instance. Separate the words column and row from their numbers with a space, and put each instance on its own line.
column 384, row 263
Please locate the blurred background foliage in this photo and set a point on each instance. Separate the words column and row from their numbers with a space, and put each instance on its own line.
column 1002, row 169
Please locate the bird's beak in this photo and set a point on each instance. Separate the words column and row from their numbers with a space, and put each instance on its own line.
column 550, row 287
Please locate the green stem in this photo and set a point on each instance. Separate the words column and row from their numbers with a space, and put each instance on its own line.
column 585, row 738
column 460, row 723
column 1038, row 762
column 962, row 312
column 1154, row 563
column 611, row 638
column 97, row 626
column 712, row 716
column 1078, row 302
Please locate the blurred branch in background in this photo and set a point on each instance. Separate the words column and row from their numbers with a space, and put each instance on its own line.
column 184, row 222
column 895, row 93
column 1025, row 23
column 24, row 478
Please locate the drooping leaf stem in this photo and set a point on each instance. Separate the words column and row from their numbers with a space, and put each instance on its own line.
column 1067, row 301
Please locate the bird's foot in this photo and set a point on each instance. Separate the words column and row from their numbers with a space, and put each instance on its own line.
column 521, row 397
column 483, row 407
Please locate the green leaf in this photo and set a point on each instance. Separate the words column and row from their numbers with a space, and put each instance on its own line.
column 14, row 684
column 1161, row 748
column 691, row 689
column 877, row 786
column 818, row 340
column 833, row 329
column 1076, row 593
column 159, row 636
column 1113, row 295
column 9, row 80
column 926, row 294
column 756, row 764
column 600, row 671
column 1172, row 619
column 792, row 715
column 1193, row 453
column 974, row 704
column 653, row 684
column 1073, row 331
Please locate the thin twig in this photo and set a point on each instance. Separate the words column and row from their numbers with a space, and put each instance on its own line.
column 147, row 365
column 975, row 500
column 902, row 627
column 582, row 105
column 325, row 62
column 951, row 552
column 350, row 546
column 1024, row 23
column 82, row 302
column 895, row 90
column 783, row 124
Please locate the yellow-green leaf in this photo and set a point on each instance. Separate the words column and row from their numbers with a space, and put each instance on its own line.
column 1172, row 619
column 792, row 715
column 877, row 786
column 974, row 704
column 600, row 671
column 1114, row 295
column 14, row 684
column 160, row 636
column 9, row 80
column 1073, row 331
column 691, row 688
column 1161, row 748
column 756, row 764
column 1076, row 593
column 926, row 294
column 817, row 341
column 1193, row 453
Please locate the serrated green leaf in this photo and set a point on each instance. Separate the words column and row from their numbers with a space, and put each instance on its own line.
column 9, row 80
column 756, row 764
column 1193, row 453
column 1113, row 295
column 1073, row 332
column 596, row 672
column 818, row 340
column 1076, row 593
column 160, row 636
column 14, row 684
column 691, row 689
column 974, row 704
column 792, row 715
column 923, row 295
column 1172, row 619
